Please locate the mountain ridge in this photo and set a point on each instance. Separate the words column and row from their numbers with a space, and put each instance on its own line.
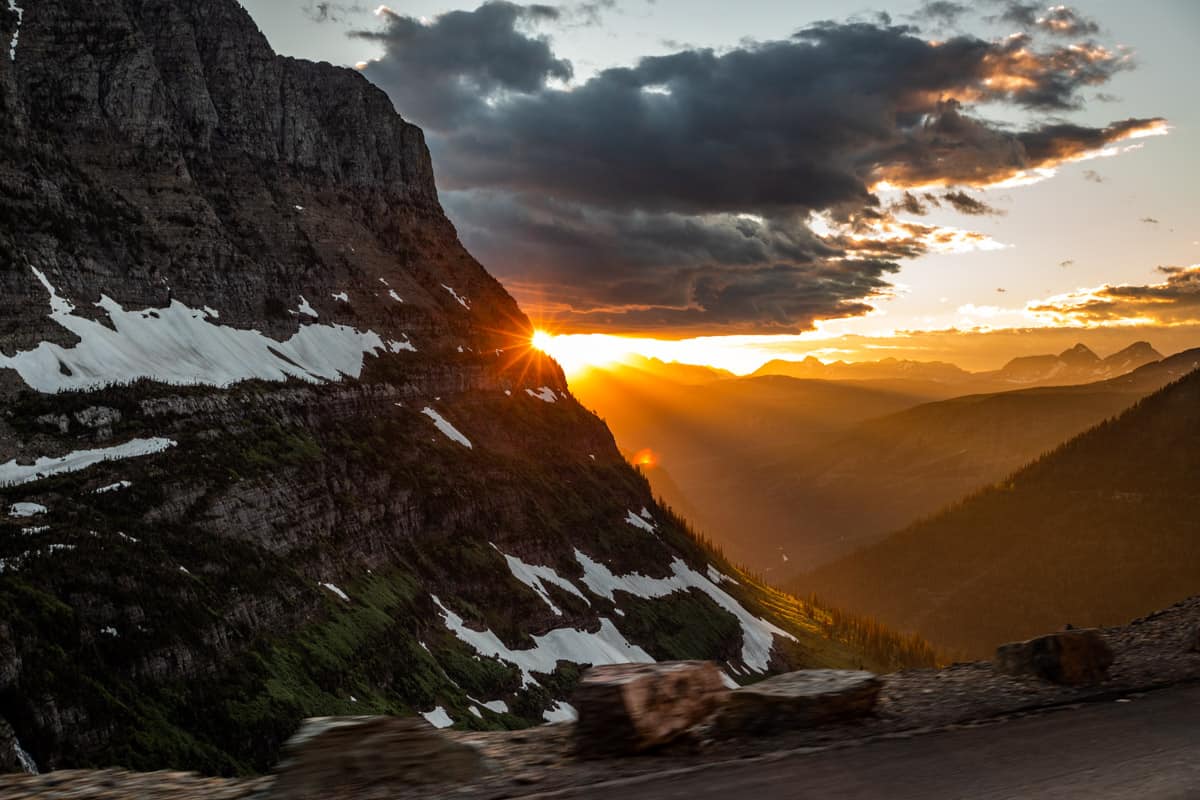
column 1100, row 528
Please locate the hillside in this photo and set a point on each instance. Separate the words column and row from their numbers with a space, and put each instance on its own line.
column 789, row 473
column 1102, row 529
column 712, row 437
column 273, row 444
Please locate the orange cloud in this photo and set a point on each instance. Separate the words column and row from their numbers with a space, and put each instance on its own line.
column 1174, row 301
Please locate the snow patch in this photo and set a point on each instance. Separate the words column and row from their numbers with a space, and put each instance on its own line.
column 182, row 346
column 718, row 577
column 536, row 577
column 336, row 591
column 23, row 758
column 341, row 297
column 545, row 394
column 392, row 294
column 560, row 712
column 757, row 634
column 438, row 718
column 212, row 312
column 36, row 529
column 495, row 706
column 26, row 509
column 462, row 301
column 478, row 714
column 113, row 487
column 12, row 473
column 12, row 56
column 396, row 346
column 449, row 431
column 305, row 308
column 109, row 631
column 637, row 521
column 606, row 646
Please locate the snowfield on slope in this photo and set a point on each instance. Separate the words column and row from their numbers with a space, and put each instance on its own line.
column 606, row 646
column 757, row 634
column 449, row 431
column 13, row 474
column 182, row 346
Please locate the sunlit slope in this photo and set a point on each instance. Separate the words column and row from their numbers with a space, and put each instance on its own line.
column 791, row 473
column 887, row 472
column 710, row 437
column 1105, row 528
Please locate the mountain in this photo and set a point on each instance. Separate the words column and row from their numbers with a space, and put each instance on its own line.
column 1075, row 365
column 1102, row 529
column 274, row 445
column 884, row 473
column 717, row 441
column 789, row 473
column 884, row 369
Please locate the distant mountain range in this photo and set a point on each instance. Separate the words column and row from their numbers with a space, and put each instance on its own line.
column 1103, row 529
column 790, row 472
column 1078, row 364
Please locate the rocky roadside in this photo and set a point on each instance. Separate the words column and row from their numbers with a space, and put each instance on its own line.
column 1154, row 652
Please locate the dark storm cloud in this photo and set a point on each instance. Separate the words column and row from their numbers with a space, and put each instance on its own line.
column 681, row 188
column 441, row 72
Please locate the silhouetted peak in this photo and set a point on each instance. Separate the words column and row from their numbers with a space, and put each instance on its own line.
column 1140, row 351
column 1079, row 355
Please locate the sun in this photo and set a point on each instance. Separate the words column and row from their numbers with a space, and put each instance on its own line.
column 578, row 352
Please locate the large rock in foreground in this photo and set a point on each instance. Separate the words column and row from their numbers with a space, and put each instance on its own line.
column 1070, row 658
column 630, row 708
column 798, row 700
column 346, row 754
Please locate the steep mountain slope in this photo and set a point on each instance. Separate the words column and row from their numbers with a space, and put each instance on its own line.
column 1105, row 528
column 272, row 443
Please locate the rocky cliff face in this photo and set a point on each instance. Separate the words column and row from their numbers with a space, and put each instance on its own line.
column 272, row 443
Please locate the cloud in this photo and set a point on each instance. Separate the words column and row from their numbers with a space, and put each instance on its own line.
column 683, row 188
column 942, row 13
column 1070, row 262
column 966, row 204
column 1057, row 20
column 442, row 73
column 331, row 12
column 1093, row 176
column 1149, row 220
column 1173, row 301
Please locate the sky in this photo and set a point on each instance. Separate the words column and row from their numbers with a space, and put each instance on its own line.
column 932, row 180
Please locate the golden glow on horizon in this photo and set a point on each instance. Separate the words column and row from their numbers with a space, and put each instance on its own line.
column 645, row 458
column 577, row 352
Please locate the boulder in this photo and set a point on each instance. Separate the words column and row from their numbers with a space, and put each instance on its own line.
column 332, row 755
column 630, row 708
column 1071, row 657
column 798, row 700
